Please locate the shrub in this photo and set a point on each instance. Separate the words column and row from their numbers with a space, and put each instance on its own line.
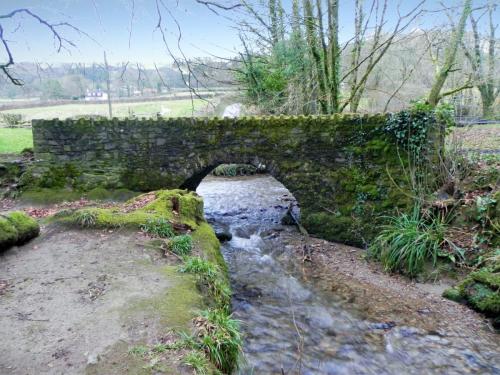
column 158, row 227
column 12, row 120
column 408, row 241
column 181, row 245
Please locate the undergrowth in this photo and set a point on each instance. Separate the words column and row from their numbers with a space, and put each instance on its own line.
column 158, row 227
column 181, row 245
column 407, row 241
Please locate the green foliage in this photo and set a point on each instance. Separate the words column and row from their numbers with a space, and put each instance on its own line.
column 158, row 227
column 210, row 277
column 220, row 337
column 197, row 361
column 181, row 245
column 139, row 350
column 86, row 218
column 199, row 266
column 409, row 240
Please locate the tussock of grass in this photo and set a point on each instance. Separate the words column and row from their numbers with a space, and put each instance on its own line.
column 158, row 227
column 181, row 245
column 408, row 241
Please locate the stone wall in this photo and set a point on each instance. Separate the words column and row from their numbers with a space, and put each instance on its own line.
column 337, row 167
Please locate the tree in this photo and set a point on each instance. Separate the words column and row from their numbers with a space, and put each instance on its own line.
column 54, row 28
column 483, row 64
column 450, row 55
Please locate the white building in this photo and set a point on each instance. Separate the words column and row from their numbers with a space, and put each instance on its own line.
column 96, row 96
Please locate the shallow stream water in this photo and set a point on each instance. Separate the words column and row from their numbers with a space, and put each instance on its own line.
column 291, row 326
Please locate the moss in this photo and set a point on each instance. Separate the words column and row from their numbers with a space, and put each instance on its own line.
column 204, row 237
column 59, row 176
column 177, row 305
column 27, row 227
column 487, row 277
column 8, row 233
column 453, row 294
column 177, row 206
column 16, row 228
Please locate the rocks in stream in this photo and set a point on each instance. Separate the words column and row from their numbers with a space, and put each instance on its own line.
column 222, row 232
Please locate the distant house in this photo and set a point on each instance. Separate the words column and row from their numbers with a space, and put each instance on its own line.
column 95, row 96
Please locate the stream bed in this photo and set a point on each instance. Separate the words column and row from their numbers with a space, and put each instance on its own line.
column 293, row 326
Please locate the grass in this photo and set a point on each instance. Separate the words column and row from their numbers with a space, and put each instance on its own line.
column 220, row 337
column 14, row 140
column 181, row 245
column 158, row 227
column 168, row 108
column 408, row 241
column 198, row 362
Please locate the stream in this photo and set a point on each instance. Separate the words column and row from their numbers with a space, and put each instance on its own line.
column 291, row 325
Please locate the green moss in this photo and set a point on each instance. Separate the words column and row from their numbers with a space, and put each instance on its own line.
column 8, row 233
column 16, row 228
column 204, row 237
column 27, row 227
column 487, row 277
column 177, row 305
column 177, row 206
column 453, row 294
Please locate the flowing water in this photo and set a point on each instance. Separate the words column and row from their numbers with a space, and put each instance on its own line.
column 289, row 325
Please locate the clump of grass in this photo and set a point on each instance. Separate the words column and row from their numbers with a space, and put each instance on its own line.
column 209, row 277
column 197, row 361
column 86, row 218
column 158, row 227
column 139, row 350
column 408, row 241
column 220, row 337
column 199, row 266
column 181, row 245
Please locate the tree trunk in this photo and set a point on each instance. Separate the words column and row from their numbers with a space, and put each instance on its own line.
column 449, row 56
column 312, row 41
column 334, row 54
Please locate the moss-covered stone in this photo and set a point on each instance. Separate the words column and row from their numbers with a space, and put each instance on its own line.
column 8, row 233
column 16, row 228
column 27, row 227
column 180, row 207
column 481, row 290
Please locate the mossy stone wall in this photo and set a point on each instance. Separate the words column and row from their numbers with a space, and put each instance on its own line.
column 337, row 167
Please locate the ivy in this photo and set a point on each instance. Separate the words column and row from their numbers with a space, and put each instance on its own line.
column 411, row 128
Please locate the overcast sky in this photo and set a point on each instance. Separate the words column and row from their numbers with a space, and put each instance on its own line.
column 109, row 23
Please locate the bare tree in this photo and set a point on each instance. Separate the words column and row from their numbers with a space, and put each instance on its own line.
column 55, row 28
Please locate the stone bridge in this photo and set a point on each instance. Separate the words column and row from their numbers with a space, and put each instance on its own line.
column 340, row 168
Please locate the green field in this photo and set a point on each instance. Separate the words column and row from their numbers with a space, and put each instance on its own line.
column 170, row 108
column 15, row 140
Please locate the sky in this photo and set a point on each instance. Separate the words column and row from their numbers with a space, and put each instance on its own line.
column 125, row 29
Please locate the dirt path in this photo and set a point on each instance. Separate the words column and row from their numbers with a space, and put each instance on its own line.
column 70, row 298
